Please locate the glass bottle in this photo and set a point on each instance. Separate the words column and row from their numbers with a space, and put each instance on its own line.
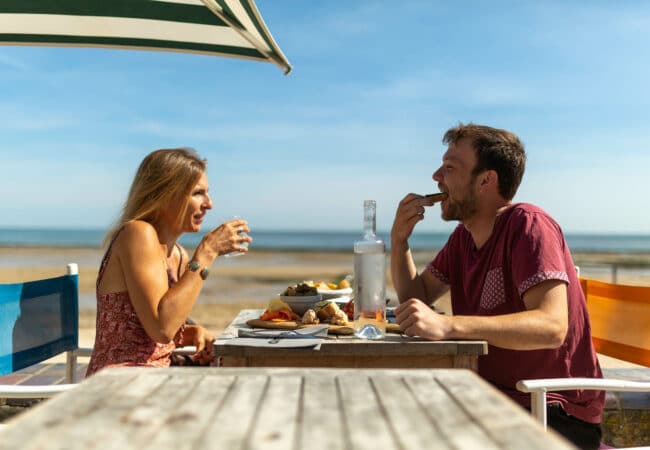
column 369, row 279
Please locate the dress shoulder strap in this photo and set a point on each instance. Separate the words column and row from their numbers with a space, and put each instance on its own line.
column 106, row 257
column 180, row 262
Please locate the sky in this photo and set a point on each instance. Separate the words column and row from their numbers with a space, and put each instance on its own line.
column 374, row 86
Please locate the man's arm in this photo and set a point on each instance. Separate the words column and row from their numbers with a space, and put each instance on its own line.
column 543, row 325
column 408, row 283
column 406, row 280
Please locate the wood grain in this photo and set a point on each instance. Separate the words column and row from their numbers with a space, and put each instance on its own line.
column 267, row 409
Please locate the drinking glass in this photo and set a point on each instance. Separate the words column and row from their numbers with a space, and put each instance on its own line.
column 243, row 244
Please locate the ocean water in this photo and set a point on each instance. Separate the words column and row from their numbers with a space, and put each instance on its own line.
column 310, row 240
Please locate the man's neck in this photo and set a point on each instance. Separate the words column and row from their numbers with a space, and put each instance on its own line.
column 481, row 225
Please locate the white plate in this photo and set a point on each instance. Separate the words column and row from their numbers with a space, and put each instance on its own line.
column 333, row 293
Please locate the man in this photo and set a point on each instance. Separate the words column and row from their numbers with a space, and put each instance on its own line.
column 511, row 277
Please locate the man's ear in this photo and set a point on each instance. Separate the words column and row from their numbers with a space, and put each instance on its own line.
column 489, row 178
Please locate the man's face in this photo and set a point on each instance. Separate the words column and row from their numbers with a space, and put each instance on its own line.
column 455, row 178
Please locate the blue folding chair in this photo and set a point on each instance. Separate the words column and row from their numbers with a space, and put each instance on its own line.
column 39, row 320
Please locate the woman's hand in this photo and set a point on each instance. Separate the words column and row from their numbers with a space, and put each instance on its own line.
column 226, row 238
column 202, row 339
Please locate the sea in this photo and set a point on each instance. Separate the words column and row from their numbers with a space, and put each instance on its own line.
column 332, row 241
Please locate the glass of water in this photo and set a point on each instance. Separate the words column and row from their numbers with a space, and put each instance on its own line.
column 242, row 245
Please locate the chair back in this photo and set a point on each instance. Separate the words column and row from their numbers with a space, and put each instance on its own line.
column 38, row 320
column 620, row 320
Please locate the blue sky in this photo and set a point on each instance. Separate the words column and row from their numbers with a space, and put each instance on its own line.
column 374, row 87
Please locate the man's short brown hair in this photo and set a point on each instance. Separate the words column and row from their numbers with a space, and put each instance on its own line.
column 498, row 150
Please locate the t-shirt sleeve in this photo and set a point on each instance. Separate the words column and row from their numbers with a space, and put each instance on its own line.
column 538, row 250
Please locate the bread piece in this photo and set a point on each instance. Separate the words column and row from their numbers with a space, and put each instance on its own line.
column 310, row 317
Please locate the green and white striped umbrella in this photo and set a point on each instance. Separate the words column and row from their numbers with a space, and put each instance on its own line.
column 232, row 28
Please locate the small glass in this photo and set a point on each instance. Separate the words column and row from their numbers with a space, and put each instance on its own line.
column 242, row 245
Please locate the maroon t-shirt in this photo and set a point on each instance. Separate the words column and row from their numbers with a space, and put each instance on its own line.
column 526, row 247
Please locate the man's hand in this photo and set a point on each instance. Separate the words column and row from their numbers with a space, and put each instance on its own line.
column 409, row 212
column 415, row 318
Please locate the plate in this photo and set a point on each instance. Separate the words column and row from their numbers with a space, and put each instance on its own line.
column 333, row 293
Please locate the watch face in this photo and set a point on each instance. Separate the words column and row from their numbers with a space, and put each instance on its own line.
column 193, row 266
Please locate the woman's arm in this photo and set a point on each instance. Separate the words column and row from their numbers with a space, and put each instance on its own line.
column 161, row 309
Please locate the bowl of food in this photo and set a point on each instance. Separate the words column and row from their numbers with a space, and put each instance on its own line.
column 300, row 297
column 334, row 290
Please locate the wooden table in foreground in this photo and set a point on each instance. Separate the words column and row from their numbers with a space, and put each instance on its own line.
column 395, row 351
column 279, row 408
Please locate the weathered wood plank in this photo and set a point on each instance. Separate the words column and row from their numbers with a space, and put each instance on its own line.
column 408, row 421
column 47, row 422
column 498, row 416
column 271, row 408
column 275, row 428
column 366, row 421
column 450, row 419
column 320, row 419
column 234, row 419
column 297, row 358
column 185, row 424
column 105, row 424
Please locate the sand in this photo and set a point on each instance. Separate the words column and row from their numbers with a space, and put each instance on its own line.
column 250, row 281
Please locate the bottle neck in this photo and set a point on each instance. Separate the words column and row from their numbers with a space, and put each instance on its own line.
column 369, row 219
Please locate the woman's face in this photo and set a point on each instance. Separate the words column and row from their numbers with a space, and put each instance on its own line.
column 198, row 204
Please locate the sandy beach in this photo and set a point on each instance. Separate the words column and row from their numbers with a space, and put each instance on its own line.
column 251, row 280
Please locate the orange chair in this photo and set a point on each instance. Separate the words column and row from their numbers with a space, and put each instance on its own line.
column 620, row 320
column 620, row 328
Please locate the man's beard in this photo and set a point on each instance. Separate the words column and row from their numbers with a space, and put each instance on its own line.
column 463, row 209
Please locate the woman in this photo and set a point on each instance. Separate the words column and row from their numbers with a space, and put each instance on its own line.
column 147, row 284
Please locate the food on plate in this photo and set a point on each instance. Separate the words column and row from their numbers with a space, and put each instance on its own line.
column 325, row 286
column 300, row 289
column 344, row 284
column 310, row 317
column 278, row 311
column 328, row 285
column 328, row 311
column 349, row 309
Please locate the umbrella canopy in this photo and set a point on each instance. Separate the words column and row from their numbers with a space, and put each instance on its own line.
column 231, row 28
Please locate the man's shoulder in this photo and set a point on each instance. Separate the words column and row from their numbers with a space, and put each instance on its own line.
column 525, row 216
column 521, row 211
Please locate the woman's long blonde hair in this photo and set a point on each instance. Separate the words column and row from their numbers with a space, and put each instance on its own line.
column 164, row 177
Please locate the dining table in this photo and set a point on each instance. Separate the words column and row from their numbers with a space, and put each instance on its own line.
column 199, row 408
column 344, row 351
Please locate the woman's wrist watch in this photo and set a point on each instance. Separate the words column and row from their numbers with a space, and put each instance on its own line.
column 194, row 266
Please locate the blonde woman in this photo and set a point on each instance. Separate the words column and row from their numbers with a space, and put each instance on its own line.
column 147, row 283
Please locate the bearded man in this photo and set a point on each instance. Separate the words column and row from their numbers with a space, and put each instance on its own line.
column 510, row 275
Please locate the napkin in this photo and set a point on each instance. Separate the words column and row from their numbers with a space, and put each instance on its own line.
column 315, row 331
column 310, row 342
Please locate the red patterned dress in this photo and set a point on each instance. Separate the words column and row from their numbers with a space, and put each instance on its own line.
column 120, row 338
